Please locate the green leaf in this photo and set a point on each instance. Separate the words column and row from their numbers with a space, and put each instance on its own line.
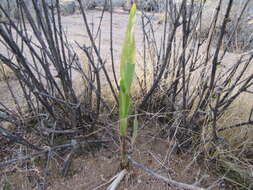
column 127, row 66
column 128, row 55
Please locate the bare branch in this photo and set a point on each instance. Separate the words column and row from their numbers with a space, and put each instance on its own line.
column 167, row 180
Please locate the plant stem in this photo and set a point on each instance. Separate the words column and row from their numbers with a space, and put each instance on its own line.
column 124, row 161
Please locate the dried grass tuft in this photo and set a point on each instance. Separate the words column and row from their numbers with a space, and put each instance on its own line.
column 6, row 73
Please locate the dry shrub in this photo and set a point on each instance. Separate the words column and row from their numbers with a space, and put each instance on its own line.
column 233, row 153
column 80, row 84
column 233, row 150
column 143, row 77
column 237, row 38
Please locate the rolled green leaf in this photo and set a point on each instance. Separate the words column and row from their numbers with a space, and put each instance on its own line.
column 127, row 66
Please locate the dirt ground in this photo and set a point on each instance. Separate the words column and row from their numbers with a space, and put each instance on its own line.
column 93, row 170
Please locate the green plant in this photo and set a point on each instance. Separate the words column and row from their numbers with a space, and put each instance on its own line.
column 127, row 66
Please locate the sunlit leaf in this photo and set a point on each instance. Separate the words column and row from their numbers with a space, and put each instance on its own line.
column 127, row 66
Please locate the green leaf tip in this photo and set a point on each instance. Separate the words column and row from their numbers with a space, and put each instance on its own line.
column 127, row 60
column 133, row 10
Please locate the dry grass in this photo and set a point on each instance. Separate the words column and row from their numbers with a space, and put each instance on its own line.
column 140, row 84
column 234, row 153
column 6, row 73
column 80, row 84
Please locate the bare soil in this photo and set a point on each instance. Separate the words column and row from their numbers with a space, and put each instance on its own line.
column 93, row 171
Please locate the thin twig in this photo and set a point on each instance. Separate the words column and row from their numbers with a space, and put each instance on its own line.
column 171, row 181
column 236, row 125
column 50, row 149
